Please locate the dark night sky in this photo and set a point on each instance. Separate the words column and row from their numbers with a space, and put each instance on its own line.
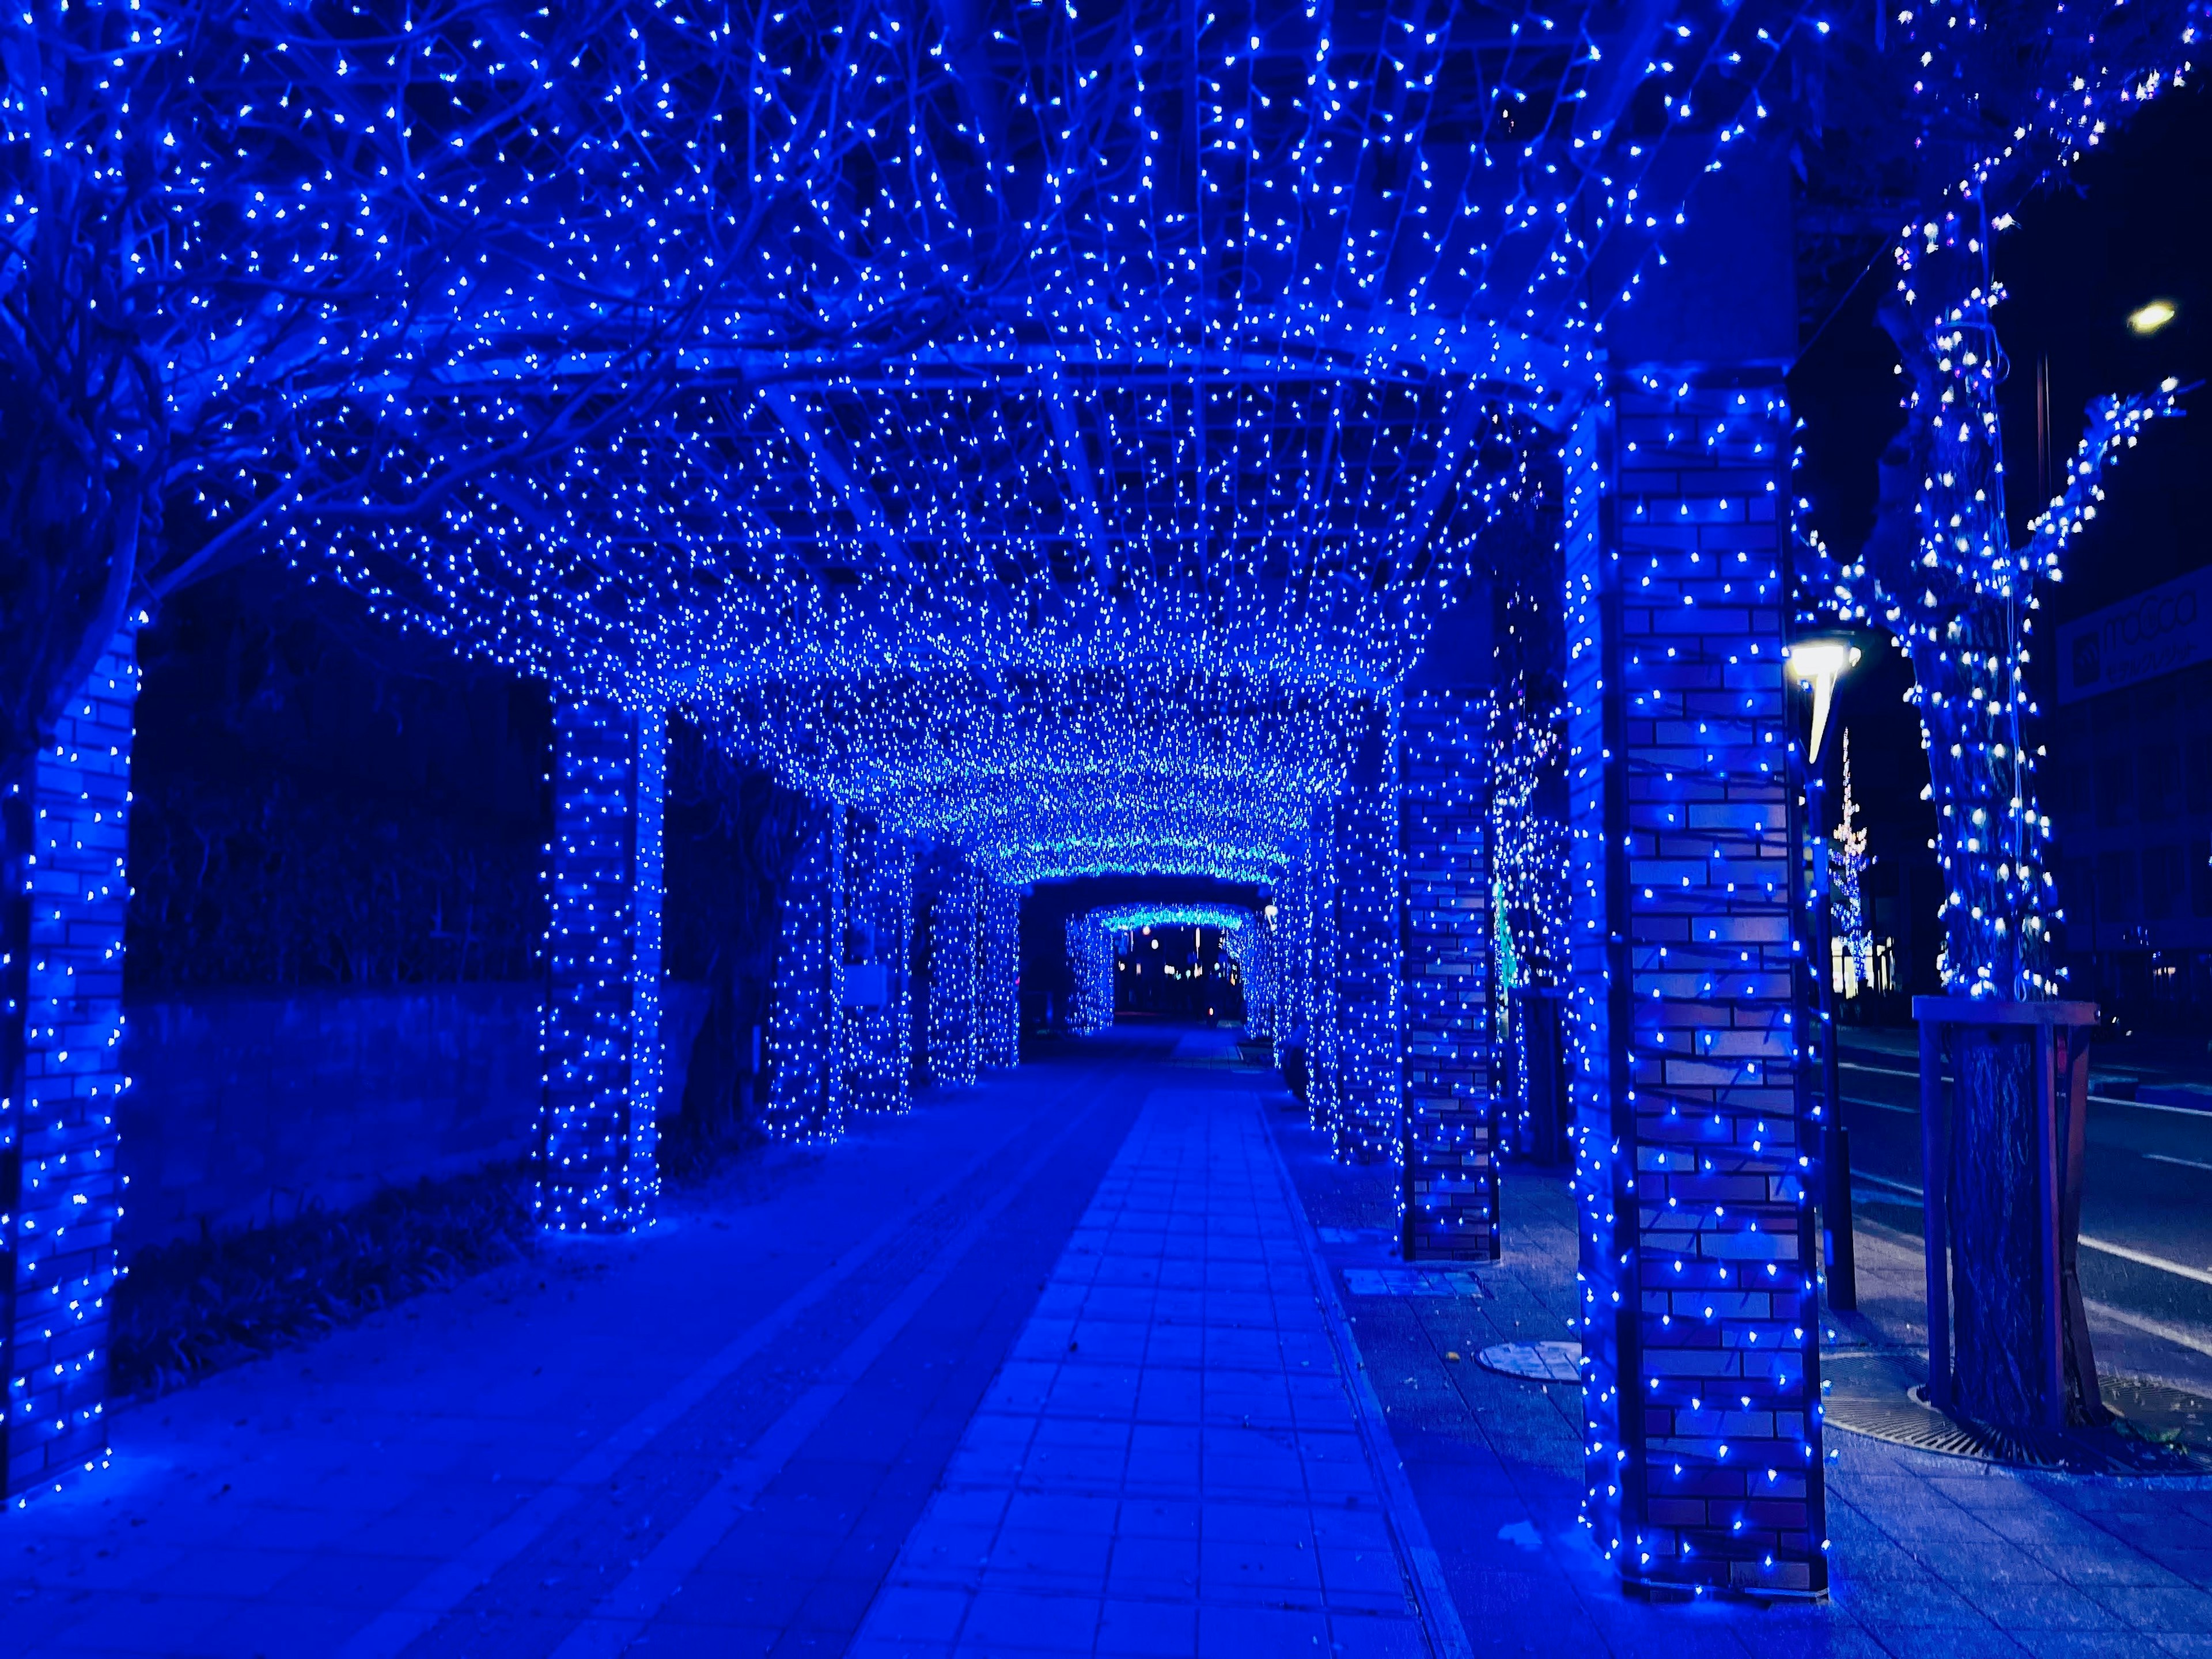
column 2125, row 227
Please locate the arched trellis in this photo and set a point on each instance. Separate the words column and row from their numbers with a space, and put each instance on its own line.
column 875, row 428
column 1094, row 938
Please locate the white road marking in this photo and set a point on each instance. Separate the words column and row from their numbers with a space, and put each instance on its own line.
column 2198, row 1113
column 2139, row 1257
column 2147, row 1261
column 2185, row 1162
column 1909, row 1190
column 2197, row 1341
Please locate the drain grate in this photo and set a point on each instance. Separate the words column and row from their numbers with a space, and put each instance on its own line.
column 2140, row 1443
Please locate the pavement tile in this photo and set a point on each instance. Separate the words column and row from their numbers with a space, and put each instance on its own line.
column 1220, row 1518
column 1232, row 1632
column 1148, row 1630
column 1153, row 1566
column 1377, row 1637
column 1014, row 1621
column 2153, row 1607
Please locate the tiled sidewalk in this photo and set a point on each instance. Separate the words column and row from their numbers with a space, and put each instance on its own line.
column 1169, row 1463
column 1932, row 1555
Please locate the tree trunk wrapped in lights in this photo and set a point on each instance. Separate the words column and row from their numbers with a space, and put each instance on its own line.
column 1945, row 576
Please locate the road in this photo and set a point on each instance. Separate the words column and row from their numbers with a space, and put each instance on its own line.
column 2146, row 1199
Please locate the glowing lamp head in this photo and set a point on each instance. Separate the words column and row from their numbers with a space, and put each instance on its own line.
column 1812, row 661
column 2149, row 318
column 1819, row 663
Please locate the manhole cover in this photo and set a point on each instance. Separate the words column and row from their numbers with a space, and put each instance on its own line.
column 2160, row 1431
column 1534, row 1362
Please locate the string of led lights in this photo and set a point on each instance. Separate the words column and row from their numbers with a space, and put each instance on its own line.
column 1053, row 432
column 1222, row 401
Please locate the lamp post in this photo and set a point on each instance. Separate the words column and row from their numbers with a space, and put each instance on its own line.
column 1818, row 662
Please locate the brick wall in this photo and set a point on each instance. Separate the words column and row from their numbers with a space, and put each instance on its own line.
column 247, row 1107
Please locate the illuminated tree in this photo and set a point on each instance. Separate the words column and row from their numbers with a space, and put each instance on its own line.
column 1847, row 865
column 1971, row 107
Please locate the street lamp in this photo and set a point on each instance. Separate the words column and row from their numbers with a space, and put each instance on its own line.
column 1817, row 662
column 2148, row 319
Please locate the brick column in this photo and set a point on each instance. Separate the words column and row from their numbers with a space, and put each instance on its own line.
column 1324, row 1079
column 1293, row 952
column 61, row 1027
column 596, row 1171
column 997, row 1003
column 879, row 943
column 807, row 1012
column 1365, row 1126
column 1450, row 1202
column 955, row 1050
column 1693, row 1171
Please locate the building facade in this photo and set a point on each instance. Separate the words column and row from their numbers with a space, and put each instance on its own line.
column 2129, row 782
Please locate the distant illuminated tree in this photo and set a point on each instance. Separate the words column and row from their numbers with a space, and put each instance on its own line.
column 1847, row 865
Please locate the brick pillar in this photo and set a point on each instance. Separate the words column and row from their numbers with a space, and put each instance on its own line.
column 1293, row 952
column 61, row 1028
column 955, row 1048
column 1091, row 965
column 1370, row 1076
column 1693, row 1171
column 879, row 948
column 1324, row 1072
column 1450, row 1203
column 806, row 1013
column 596, row 1171
column 997, row 999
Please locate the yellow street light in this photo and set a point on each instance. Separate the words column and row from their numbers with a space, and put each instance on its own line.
column 2152, row 317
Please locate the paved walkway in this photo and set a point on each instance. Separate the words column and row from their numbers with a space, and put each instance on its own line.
column 711, row 1438
column 1170, row 1462
column 716, row 1438
column 1052, row 1366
